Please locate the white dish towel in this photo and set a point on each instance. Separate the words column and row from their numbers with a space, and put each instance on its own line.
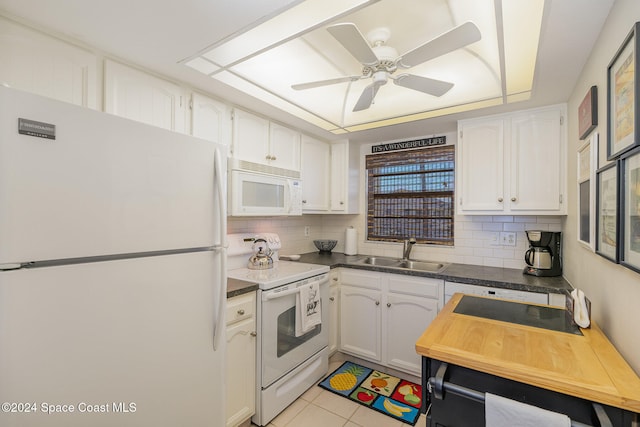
column 503, row 412
column 308, row 308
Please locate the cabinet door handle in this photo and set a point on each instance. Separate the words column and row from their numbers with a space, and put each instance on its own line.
column 254, row 334
column 304, row 201
column 388, row 304
column 335, row 279
column 241, row 312
column 500, row 199
column 377, row 302
column 273, row 157
column 332, row 299
column 342, row 203
column 513, row 199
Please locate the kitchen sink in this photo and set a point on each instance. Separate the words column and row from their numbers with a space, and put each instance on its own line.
column 434, row 267
column 384, row 262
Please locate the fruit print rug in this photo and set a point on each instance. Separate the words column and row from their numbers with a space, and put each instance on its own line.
column 393, row 396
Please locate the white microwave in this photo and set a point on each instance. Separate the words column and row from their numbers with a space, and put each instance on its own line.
column 257, row 194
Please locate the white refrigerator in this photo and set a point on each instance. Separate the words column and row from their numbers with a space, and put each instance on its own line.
column 112, row 270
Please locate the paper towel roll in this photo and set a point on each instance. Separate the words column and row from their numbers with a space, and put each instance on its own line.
column 351, row 241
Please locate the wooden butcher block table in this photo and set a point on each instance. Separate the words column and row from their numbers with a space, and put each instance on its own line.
column 533, row 345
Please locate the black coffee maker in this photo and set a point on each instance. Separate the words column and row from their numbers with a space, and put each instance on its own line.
column 544, row 256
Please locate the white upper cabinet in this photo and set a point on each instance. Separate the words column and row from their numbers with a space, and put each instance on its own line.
column 36, row 63
column 345, row 178
column 284, row 147
column 142, row 97
column 210, row 119
column 250, row 137
column 316, row 173
column 330, row 177
column 537, row 161
column 513, row 163
column 340, row 177
column 260, row 141
column 479, row 166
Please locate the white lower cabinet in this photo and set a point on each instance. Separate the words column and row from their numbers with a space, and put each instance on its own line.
column 407, row 318
column 241, row 358
column 383, row 315
column 361, row 321
column 334, row 311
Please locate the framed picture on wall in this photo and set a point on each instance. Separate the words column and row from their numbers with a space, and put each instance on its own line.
column 623, row 97
column 607, row 212
column 587, row 165
column 588, row 113
column 630, row 218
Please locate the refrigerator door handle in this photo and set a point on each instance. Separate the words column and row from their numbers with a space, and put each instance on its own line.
column 220, row 248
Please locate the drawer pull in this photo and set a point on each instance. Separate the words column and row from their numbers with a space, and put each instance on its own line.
column 254, row 334
column 241, row 312
column 332, row 299
column 388, row 304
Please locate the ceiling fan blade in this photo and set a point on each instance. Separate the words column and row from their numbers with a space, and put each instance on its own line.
column 456, row 38
column 311, row 85
column 352, row 39
column 423, row 84
column 366, row 98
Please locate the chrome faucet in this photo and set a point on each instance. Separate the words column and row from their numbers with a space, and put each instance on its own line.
column 407, row 246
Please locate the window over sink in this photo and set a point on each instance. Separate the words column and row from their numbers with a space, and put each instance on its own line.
column 411, row 194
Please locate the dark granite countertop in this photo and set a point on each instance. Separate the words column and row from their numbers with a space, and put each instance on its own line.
column 506, row 278
column 237, row 287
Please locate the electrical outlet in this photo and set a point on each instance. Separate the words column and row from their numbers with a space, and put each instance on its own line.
column 494, row 239
column 307, row 231
column 508, row 238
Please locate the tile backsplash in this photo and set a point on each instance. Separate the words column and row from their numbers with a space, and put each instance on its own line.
column 474, row 237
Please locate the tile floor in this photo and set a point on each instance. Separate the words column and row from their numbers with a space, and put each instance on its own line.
column 320, row 408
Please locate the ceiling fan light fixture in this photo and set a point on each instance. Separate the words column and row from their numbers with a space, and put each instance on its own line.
column 385, row 53
column 380, row 78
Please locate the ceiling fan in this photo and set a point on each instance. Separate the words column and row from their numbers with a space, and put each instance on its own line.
column 380, row 61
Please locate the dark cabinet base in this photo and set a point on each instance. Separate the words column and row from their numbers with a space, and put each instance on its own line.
column 454, row 410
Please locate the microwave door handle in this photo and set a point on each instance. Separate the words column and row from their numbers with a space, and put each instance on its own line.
column 289, row 200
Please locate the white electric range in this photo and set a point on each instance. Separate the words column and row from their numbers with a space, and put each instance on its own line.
column 287, row 365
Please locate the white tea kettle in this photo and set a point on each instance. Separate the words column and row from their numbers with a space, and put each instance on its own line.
column 261, row 259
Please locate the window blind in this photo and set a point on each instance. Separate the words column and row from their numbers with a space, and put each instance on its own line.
column 411, row 194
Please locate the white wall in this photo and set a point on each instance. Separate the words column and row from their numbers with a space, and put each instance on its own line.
column 614, row 290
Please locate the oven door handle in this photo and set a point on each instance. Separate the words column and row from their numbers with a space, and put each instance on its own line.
column 275, row 295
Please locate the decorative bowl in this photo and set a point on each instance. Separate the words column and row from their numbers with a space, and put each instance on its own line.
column 325, row 245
